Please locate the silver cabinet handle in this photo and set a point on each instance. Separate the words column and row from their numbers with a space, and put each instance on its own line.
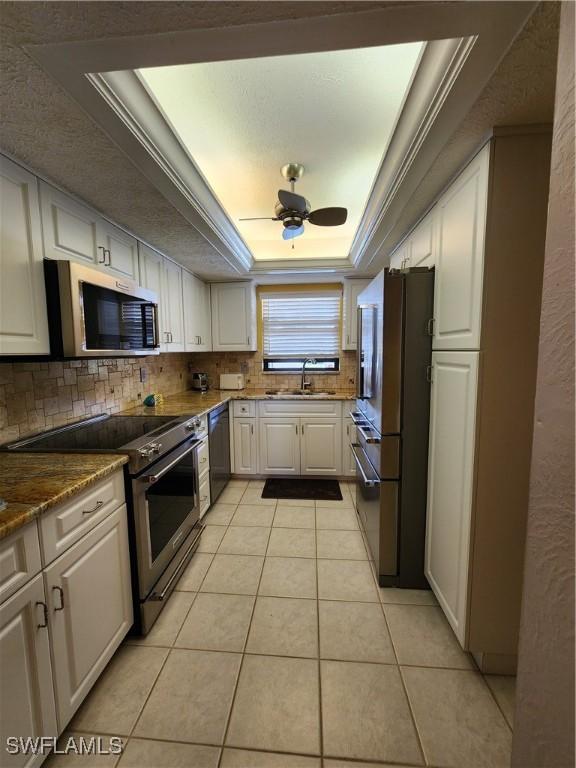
column 94, row 509
column 122, row 286
column 367, row 480
column 251, row 429
column 430, row 327
column 171, row 338
column 103, row 259
column 296, row 428
column 61, row 593
column 109, row 262
column 44, row 614
column 167, row 337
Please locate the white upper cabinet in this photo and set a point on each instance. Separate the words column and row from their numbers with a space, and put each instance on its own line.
column 423, row 243
column 26, row 690
column 233, row 317
column 120, row 250
column 23, row 318
column 151, row 265
column 173, row 313
column 461, row 223
column 197, row 320
column 451, row 480
column 70, row 229
column 352, row 289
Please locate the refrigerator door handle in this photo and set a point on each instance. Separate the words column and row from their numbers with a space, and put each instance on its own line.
column 369, row 481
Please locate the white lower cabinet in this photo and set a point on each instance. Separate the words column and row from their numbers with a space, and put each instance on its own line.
column 26, row 690
column 279, row 446
column 245, row 446
column 450, row 481
column 90, row 609
column 348, row 436
column 321, row 446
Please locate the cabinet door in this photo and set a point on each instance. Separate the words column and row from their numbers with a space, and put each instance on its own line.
column 352, row 289
column 279, row 446
column 461, row 221
column 321, row 446
column 401, row 256
column 151, row 264
column 23, row 318
column 348, row 436
column 69, row 228
column 245, row 447
column 422, row 243
column 26, row 688
column 173, row 313
column 205, row 317
column 450, row 481
column 90, row 607
column 121, row 250
column 196, row 304
column 233, row 317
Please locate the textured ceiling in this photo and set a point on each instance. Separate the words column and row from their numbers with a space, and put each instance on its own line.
column 43, row 127
column 241, row 121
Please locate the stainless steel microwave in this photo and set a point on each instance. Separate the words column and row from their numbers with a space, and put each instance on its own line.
column 93, row 314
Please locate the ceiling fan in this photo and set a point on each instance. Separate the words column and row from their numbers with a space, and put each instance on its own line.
column 293, row 210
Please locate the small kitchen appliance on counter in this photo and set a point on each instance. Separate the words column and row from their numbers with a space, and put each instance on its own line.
column 200, row 382
column 232, row 381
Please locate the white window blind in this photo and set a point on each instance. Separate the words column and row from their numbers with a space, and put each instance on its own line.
column 301, row 324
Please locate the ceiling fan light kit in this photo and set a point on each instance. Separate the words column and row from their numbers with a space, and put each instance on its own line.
column 293, row 210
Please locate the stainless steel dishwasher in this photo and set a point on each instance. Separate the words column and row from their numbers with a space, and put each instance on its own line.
column 219, row 446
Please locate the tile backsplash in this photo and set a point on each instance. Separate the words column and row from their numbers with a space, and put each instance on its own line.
column 250, row 364
column 38, row 396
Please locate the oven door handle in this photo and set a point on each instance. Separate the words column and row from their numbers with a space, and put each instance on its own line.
column 154, row 478
column 156, row 596
column 369, row 481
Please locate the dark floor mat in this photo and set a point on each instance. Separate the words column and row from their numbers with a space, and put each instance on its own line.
column 302, row 488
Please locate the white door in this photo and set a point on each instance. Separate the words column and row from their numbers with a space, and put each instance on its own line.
column 151, row 264
column 422, row 242
column 205, row 316
column 26, row 688
column 461, row 221
column 196, row 304
column 352, row 289
column 450, row 481
column 321, row 446
column 23, row 318
column 233, row 317
column 121, row 250
column 69, row 228
column 173, row 312
column 245, row 447
column 348, row 436
column 279, row 446
column 90, row 607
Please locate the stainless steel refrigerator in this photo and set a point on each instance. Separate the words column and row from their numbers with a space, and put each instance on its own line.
column 392, row 417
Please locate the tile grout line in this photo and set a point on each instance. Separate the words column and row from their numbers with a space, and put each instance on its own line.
column 493, row 695
column 243, row 656
column 320, row 711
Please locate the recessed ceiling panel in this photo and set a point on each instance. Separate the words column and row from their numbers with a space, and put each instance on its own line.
column 240, row 121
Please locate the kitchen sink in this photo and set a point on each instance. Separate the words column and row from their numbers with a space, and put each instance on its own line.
column 301, row 392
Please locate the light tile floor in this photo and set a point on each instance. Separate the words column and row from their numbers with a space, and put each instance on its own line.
column 278, row 650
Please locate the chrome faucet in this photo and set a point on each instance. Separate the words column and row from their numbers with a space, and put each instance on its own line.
column 304, row 384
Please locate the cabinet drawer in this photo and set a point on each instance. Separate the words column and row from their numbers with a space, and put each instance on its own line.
column 243, row 408
column 203, row 457
column 69, row 521
column 204, row 494
column 19, row 559
column 300, row 408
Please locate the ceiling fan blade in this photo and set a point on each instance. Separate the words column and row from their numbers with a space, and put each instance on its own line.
column 261, row 218
column 293, row 202
column 328, row 217
column 290, row 234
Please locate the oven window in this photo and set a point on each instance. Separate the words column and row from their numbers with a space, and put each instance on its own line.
column 170, row 501
column 113, row 320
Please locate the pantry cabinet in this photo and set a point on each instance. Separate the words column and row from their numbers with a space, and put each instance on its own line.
column 197, row 319
column 23, row 317
column 233, row 317
column 352, row 289
column 321, row 445
column 26, row 689
column 279, row 446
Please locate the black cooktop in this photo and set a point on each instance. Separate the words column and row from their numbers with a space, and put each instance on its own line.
column 105, row 434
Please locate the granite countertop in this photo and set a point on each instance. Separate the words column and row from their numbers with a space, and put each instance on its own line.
column 194, row 403
column 31, row 483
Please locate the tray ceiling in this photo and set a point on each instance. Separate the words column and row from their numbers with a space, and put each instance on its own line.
column 240, row 121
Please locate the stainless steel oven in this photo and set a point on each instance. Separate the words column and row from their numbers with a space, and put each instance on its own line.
column 166, row 525
column 93, row 314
